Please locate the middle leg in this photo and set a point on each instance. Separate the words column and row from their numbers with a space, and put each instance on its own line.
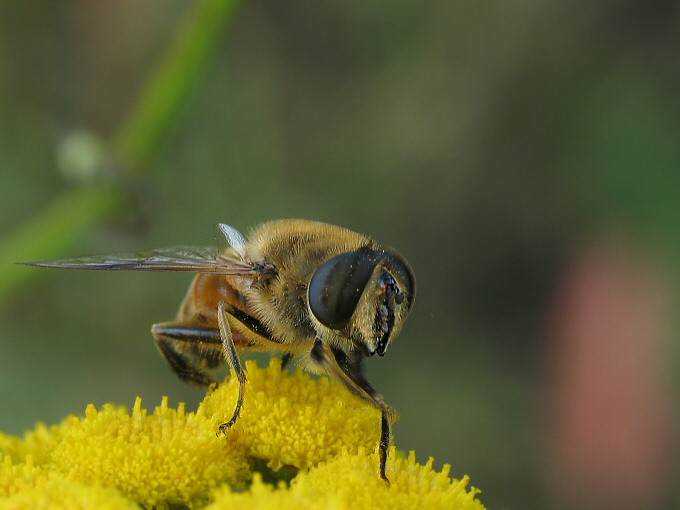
column 231, row 355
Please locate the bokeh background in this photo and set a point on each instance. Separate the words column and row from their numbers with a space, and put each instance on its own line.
column 524, row 156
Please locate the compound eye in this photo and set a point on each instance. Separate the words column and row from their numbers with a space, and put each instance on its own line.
column 337, row 285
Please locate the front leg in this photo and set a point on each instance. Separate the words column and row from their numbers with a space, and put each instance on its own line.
column 348, row 370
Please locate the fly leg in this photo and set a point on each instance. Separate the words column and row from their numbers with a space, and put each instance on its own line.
column 347, row 368
column 189, row 349
column 231, row 355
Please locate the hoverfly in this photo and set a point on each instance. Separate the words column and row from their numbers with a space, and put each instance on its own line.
column 302, row 288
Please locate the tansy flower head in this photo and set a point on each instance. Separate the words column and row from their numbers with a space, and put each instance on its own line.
column 172, row 458
column 168, row 456
column 36, row 443
column 64, row 494
column 294, row 419
column 17, row 477
column 349, row 482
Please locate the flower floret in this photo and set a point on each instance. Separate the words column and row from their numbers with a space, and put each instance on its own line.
column 294, row 419
column 349, row 482
column 168, row 456
column 59, row 493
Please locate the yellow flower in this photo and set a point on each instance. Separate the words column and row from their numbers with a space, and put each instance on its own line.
column 17, row 477
column 349, row 482
column 36, row 443
column 326, row 436
column 294, row 419
column 170, row 456
column 64, row 494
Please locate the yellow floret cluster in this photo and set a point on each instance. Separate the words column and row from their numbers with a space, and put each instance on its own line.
column 292, row 419
column 349, row 482
column 292, row 426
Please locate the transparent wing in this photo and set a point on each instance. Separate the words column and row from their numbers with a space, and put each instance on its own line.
column 181, row 258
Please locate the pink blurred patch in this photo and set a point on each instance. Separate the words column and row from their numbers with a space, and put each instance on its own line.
column 610, row 412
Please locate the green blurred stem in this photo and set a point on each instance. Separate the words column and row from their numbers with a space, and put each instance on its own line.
column 58, row 227
column 51, row 234
column 140, row 135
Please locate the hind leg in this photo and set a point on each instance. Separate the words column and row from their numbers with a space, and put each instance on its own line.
column 189, row 350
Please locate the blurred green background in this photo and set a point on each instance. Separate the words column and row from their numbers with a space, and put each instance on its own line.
column 523, row 156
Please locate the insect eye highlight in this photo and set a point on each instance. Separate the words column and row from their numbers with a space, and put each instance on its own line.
column 337, row 285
